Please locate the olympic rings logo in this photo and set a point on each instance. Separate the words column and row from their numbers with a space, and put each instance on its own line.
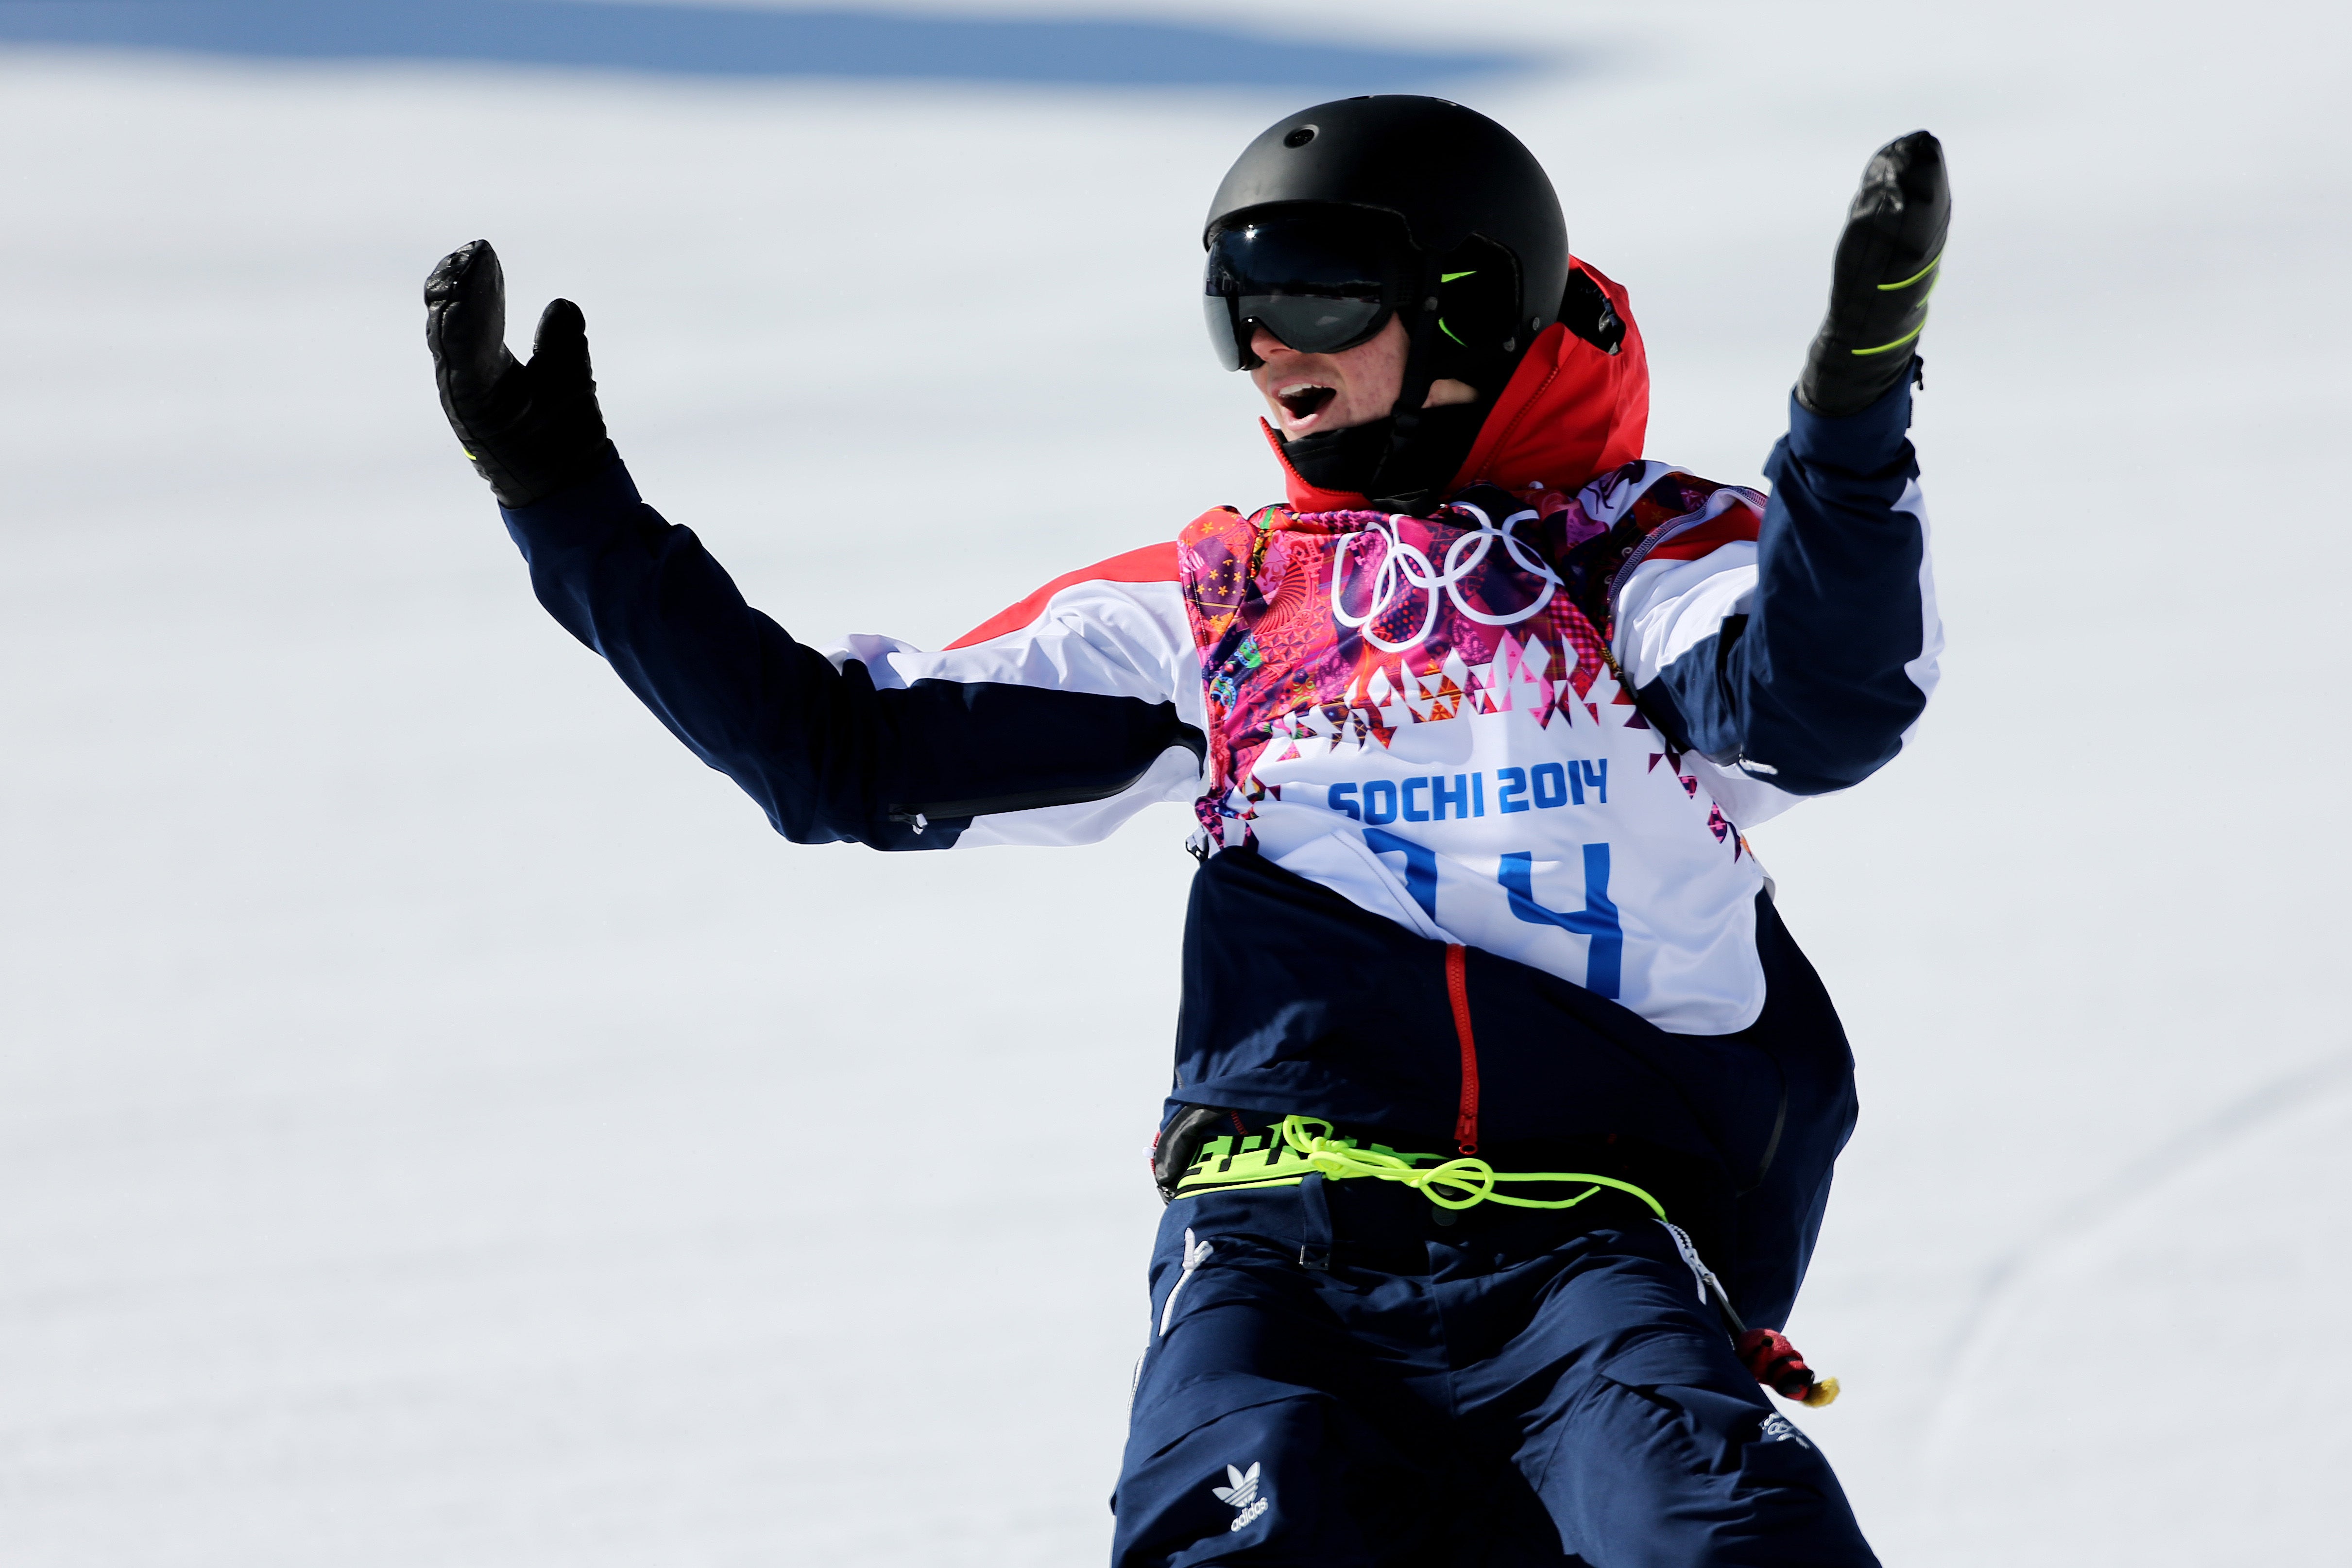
column 1404, row 567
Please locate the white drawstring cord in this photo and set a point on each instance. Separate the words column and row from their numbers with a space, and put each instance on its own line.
column 1194, row 1256
column 1704, row 1276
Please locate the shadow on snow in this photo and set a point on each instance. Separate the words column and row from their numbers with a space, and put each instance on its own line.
column 729, row 41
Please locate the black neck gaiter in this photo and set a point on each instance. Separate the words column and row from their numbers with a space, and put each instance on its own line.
column 1410, row 479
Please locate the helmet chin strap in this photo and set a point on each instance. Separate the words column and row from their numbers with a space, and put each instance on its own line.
column 1406, row 421
column 1420, row 376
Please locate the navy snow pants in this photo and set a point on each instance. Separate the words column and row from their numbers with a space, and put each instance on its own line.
column 1494, row 1390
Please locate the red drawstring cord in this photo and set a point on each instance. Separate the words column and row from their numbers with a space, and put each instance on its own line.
column 1777, row 1364
column 1766, row 1352
column 1457, row 990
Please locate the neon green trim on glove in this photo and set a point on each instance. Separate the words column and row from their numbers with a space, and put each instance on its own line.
column 1891, row 287
column 1889, row 348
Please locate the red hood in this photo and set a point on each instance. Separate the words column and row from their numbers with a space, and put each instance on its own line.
column 1569, row 412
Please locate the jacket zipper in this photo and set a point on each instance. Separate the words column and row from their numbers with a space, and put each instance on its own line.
column 1642, row 552
column 1457, row 992
column 921, row 814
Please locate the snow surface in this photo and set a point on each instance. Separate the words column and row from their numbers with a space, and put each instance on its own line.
column 439, row 1124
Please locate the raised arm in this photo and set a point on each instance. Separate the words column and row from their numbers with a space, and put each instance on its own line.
column 1049, row 730
column 1805, row 665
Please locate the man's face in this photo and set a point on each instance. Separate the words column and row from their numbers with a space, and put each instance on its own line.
column 1310, row 395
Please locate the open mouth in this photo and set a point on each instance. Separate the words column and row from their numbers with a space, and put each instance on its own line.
column 1304, row 401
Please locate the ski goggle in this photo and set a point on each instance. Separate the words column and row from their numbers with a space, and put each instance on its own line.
column 1322, row 279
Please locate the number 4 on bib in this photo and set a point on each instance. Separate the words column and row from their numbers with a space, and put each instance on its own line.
column 1597, row 920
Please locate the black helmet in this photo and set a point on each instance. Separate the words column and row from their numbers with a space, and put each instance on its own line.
column 1340, row 216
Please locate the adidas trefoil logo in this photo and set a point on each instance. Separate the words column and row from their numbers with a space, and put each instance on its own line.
column 1242, row 1496
column 1242, row 1492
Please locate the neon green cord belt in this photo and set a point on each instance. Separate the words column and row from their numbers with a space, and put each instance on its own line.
column 1304, row 1146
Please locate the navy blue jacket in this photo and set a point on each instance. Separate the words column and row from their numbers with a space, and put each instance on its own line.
column 1297, row 999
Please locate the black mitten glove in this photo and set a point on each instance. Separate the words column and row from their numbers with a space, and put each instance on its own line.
column 531, row 430
column 1887, row 263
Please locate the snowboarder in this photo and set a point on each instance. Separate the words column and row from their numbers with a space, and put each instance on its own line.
column 1505, row 1105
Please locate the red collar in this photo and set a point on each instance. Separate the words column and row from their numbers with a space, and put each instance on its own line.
column 1569, row 412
